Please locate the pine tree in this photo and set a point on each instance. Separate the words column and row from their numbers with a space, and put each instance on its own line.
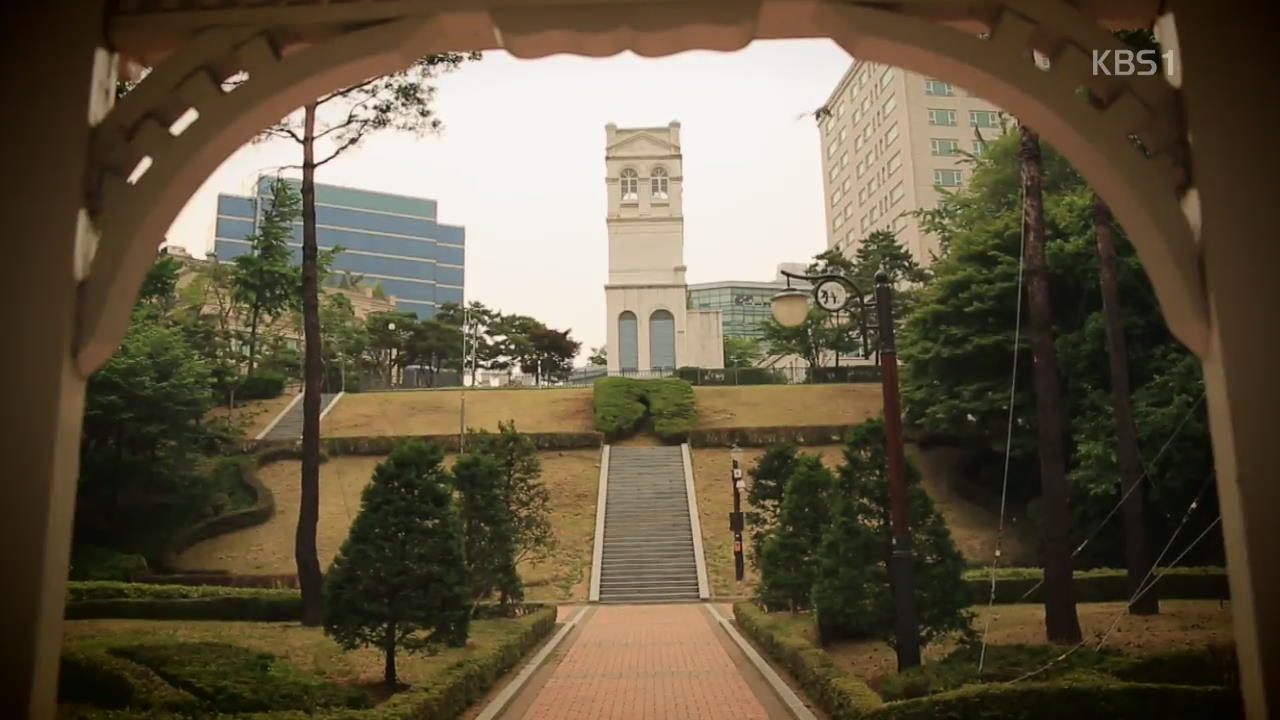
column 400, row 578
column 265, row 282
column 852, row 595
column 526, row 495
column 487, row 528
column 788, row 567
column 769, row 477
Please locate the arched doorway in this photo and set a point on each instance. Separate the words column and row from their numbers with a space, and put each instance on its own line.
column 628, row 342
column 1203, row 238
column 662, row 340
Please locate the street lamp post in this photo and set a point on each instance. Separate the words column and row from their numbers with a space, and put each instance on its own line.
column 736, row 522
column 835, row 293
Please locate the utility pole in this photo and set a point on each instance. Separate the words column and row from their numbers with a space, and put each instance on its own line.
column 901, row 570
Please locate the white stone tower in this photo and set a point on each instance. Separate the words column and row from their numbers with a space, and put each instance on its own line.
column 649, row 325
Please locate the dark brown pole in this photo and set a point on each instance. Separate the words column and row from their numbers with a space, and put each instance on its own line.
column 901, row 569
column 736, row 523
column 1135, row 532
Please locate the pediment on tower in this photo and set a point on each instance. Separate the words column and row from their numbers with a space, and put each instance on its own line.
column 641, row 144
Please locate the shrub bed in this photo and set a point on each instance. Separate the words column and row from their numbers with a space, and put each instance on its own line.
column 261, row 385
column 104, row 590
column 96, row 563
column 1101, row 585
column 234, row 679
column 1087, row 686
column 97, row 678
column 766, row 436
column 621, row 405
column 225, row 579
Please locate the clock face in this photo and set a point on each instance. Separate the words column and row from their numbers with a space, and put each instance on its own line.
column 831, row 295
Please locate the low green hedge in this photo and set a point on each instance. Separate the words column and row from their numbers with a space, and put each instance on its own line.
column 766, row 436
column 621, row 405
column 1068, row 700
column 251, row 609
column 97, row 563
column 730, row 376
column 1082, row 690
column 261, row 385
column 105, row 681
column 1100, row 585
column 384, row 444
column 263, row 507
column 840, row 694
column 106, row 590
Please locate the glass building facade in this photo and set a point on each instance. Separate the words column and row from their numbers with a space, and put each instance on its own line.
column 393, row 241
column 742, row 305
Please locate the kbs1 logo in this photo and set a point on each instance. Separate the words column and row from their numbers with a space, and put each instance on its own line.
column 1124, row 62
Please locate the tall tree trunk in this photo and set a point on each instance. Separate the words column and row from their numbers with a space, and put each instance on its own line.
column 253, row 337
column 1061, row 623
column 309, row 577
column 1135, row 530
column 389, row 650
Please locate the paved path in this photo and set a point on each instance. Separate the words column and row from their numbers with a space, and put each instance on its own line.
column 648, row 662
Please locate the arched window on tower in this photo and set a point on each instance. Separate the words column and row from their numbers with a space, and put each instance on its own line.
column 630, row 184
column 658, row 183
column 628, row 345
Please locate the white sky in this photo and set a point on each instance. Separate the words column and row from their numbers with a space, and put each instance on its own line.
column 520, row 164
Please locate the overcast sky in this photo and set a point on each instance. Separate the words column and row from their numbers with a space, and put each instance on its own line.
column 520, row 164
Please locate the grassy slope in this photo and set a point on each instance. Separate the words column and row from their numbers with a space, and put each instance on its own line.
column 571, row 478
column 436, row 412
column 972, row 527
column 1180, row 624
column 305, row 647
column 768, row 405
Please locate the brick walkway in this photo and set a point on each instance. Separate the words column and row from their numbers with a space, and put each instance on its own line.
column 647, row 663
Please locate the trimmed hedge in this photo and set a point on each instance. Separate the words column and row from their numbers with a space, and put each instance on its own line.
column 105, row 590
column 1068, row 700
column 224, row 579
column 840, row 694
column 1079, row 695
column 766, row 436
column 97, row 563
column 620, row 406
column 264, row 506
column 731, row 376
column 93, row 676
column 277, row 450
column 1101, row 585
column 251, row 609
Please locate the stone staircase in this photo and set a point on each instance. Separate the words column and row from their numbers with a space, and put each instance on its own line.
column 289, row 426
column 648, row 552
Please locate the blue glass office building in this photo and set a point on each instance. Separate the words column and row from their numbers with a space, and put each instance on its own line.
column 392, row 240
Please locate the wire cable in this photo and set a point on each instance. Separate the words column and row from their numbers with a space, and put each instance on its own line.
column 1008, row 437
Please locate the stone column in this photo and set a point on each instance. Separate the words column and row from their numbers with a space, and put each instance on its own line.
column 48, row 78
column 1231, row 99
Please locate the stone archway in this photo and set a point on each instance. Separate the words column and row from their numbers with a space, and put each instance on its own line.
column 296, row 51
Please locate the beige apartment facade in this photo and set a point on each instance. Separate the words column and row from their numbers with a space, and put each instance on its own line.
column 892, row 142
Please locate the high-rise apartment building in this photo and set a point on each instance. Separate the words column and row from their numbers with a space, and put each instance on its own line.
column 392, row 241
column 891, row 142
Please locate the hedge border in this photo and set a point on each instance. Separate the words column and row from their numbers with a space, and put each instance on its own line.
column 384, row 444
column 768, row 435
column 1104, row 585
column 128, row 684
column 845, row 697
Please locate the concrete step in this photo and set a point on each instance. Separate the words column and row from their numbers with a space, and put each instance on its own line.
column 639, row 540
column 618, row 568
column 652, row 575
column 653, row 596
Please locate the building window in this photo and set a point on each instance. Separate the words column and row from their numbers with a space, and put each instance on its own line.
column 658, row 183
column 889, row 106
column 984, row 118
column 944, row 146
column 862, row 196
column 858, row 142
column 628, row 347
column 831, row 149
column 895, row 162
column 630, row 184
column 857, row 115
column 844, row 159
column 846, row 185
column 835, row 196
column 900, row 223
column 848, row 210
column 886, row 78
column 865, row 222
column 844, row 133
column 942, row 117
column 662, row 340
column 979, row 147
column 896, row 194
column 840, row 109
column 837, row 220
column 891, row 134
column 937, row 87
column 835, row 170
column 862, row 168
column 946, row 178
column 866, row 103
